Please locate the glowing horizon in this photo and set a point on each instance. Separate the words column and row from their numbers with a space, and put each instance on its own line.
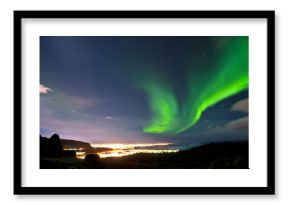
column 127, row 145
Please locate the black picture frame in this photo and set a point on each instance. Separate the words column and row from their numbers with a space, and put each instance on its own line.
column 269, row 189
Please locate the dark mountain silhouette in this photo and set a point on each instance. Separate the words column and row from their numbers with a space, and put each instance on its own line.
column 226, row 155
column 51, row 147
column 74, row 144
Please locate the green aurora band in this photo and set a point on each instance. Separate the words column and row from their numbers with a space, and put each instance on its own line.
column 227, row 76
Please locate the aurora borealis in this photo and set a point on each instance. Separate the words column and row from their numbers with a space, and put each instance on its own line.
column 143, row 88
column 229, row 76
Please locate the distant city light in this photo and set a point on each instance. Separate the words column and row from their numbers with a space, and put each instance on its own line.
column 122, row 149
column 121, row 153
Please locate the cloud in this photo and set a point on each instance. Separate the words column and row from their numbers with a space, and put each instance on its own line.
column 108, row 117
column 44, row 90
column 79, row 102
column 71, row 103
column 242, row 105
column 242, row 123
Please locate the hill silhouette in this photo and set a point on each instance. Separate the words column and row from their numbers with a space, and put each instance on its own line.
column 226, row 155
column 75, row 144
column 51, row 147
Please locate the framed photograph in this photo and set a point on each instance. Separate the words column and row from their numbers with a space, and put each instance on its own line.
column 144, row 102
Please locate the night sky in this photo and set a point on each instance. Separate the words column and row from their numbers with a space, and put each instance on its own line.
column 186, row 90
